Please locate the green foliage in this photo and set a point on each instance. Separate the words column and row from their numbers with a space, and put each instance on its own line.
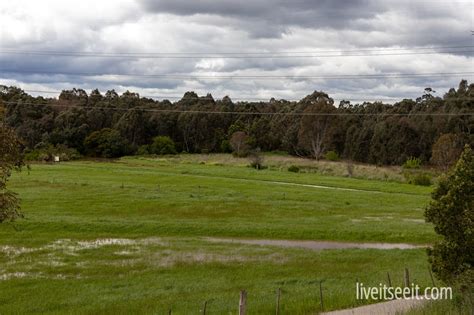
column 256, row 160
column 420, row 179
column 162, row 145
column 225, row 146
column 332, row 156
column 412, row 163
column 417, row 177
column 46, row 153
column 11, row 157
column 452, row 213
column 143, row 150
column 294, row 169
column 446, row 150
column 107, row 143
column 401, row 131
column 239, row 142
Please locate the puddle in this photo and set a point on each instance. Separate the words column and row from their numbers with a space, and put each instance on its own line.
column 316, row 245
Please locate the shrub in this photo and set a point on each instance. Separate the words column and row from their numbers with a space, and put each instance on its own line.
column 256, row 159
column 420, row 179
column 412, row 163
column 294, row 169
column 350, row 168
column 239, row 142
column 446, row 150
column 143, row 150
column 451, row 212
column 46, row 153
column 225, row 146
column 331, row 156
column 162, row 145
column 32, row 155
column 106, row 143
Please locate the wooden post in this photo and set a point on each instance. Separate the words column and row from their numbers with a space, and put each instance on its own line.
column 389, row 280
column 407, row 278
column 431, row 275
column 321, row 294
column 278, row 293
column 204, row 308
column 243, row 302
column 169, row 312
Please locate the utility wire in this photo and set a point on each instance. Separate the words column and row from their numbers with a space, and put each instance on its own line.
column 226, row 56
column 256, row 77
column 240, row 98
column 278, row 54
column 171, row 111
column 214, row 98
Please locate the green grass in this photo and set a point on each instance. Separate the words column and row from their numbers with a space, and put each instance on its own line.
column 163, row 208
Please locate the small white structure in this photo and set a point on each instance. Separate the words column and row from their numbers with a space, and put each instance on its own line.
column 56, row 158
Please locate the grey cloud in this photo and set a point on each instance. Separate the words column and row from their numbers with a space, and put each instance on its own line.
column 265, row 18
column 259, row 25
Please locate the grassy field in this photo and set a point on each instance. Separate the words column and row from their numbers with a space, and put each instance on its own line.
column 129, row 236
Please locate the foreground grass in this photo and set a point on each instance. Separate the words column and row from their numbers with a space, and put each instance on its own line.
column 442, row 307
column 127, row 237
column 150, row 276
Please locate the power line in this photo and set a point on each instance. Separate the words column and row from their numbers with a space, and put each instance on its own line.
column 240, row 98
column 277, row 54
column 213, row 98
column 225, row 56
column 177, row 111
column 245, row 77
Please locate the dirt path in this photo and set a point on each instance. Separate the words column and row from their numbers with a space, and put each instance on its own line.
column 314, row 245
column 385, row 308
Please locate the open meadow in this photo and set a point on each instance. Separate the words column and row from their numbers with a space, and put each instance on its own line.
column 145, row 235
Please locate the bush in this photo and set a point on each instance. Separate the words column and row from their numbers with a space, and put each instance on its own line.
column 239, row 142
column 162, row 145
column 225, row 146
column 106, row 143
column 412, row 163
column 143, row 150
column 256, row 160
column 294, row 169
column 451, row 212
column 46, row 153
column 331, row 156
column 350, row 168
column 420, row 179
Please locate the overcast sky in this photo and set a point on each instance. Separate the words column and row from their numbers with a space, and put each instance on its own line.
column 306, row 36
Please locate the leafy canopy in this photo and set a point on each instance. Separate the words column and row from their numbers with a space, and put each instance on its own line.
column 11, row 157
column 452, row 213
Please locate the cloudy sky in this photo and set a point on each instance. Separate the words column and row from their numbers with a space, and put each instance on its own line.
column 253, row 50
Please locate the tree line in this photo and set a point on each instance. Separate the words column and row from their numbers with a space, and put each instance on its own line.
column 431, row 128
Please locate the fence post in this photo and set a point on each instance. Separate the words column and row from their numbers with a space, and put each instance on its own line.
column 321, row 294
column 277, row 312
column 407, row 278
column 204, row 308
column 389, row 280
column 243, row 302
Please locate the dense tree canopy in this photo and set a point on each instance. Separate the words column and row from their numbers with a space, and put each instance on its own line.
column 368, row 132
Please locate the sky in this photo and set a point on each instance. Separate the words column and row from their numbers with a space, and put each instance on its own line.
column 248, row 50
